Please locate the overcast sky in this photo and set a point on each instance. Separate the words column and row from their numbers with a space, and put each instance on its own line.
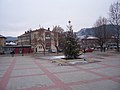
column 18, row 16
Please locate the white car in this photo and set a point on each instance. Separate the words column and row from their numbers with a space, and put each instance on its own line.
column 53, row 51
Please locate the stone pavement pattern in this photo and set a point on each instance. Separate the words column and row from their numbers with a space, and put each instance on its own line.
column 29, row 73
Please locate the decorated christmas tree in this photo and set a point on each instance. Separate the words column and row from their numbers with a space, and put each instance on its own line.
column 71, row 46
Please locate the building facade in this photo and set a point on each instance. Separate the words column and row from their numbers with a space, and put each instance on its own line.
column 2, row 44
column 24, row 39
column 42, row 40
column 2, row 40
column 24, row 43
column 38, row 40
column 89, row 42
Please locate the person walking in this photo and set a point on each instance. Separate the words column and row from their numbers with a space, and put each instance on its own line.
column 12, row 53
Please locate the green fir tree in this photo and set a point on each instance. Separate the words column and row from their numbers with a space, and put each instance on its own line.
column 71, row 46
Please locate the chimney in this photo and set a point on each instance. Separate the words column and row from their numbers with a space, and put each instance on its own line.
column 48, row 29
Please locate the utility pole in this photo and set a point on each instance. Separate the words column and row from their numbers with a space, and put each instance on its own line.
column 22, row 46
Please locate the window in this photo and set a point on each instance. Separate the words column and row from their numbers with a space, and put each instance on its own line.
column 40, row 47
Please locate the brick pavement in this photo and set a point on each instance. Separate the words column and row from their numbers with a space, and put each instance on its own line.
column 29, row 73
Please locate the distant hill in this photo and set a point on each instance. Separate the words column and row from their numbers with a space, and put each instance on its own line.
column 86, row 32
column 91, row 31
column 9, row 38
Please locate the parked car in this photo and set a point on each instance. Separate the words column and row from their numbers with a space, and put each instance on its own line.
column 89, row 50
column 53, row 51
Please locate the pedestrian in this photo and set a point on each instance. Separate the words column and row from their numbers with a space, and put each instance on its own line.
column 12, row 53
column 84, row 51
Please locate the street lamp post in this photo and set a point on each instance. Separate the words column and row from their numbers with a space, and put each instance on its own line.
column 22, row 51
column 22, row 46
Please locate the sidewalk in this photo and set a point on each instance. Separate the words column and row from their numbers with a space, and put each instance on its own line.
column 29, row 73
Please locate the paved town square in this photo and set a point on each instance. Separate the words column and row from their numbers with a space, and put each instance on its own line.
column 30, row 72
column 60, row 45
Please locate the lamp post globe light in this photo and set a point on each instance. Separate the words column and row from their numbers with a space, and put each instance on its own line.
column 69, row 22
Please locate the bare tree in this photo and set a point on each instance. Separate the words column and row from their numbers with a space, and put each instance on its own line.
column 101, row 32
column 114, row 19
column 41, row 39
column 34, row 42
column 58, row 31
column 56, row 41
